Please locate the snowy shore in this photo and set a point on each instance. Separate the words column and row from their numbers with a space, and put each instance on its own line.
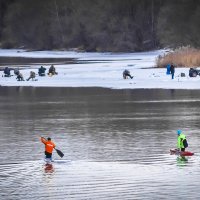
column 101, row 70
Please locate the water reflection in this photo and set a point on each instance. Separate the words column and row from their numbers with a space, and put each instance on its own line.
column 49, row 168
column 182, row 160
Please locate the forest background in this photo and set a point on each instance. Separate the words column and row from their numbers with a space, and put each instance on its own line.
column 99, row 25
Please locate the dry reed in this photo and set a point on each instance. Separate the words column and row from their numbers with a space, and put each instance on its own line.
column 182, row 57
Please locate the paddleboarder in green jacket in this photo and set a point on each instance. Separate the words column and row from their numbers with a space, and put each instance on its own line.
column 181, row 141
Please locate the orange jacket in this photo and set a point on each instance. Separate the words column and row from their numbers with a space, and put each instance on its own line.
column 49, row 145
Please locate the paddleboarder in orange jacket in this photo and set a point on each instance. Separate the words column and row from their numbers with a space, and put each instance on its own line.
column 49, row 147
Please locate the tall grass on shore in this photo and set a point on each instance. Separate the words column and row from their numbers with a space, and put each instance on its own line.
column 182, row 57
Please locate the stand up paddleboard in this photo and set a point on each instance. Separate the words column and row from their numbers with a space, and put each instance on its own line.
column 181, row 153
column 48, row 161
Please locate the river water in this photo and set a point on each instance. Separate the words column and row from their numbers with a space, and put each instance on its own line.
column 116, row 143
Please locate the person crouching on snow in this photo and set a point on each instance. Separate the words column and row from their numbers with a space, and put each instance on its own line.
column 32, row 75
column 41, row 71
column 20, row 77
column 126, row 74
column 16, row 71
column 52, row 71
column 7, row 72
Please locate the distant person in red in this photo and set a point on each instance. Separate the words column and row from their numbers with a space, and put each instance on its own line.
column 49, row 146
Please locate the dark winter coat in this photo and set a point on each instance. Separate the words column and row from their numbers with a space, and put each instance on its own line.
column 172, row 69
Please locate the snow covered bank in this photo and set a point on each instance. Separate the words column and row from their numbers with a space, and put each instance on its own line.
column 101, row 70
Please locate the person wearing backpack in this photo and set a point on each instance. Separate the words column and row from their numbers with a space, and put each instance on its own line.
column 181, row 141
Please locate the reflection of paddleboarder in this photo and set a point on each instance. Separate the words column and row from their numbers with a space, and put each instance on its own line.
column 182, row 161
column 49, row 146
column 49, row 168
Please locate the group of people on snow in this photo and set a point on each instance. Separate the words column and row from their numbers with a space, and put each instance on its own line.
column 52, row 71
column 170, row 70
column 19, row 75
column 16, row 72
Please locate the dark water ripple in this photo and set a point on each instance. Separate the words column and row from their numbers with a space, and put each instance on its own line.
column 98, row 180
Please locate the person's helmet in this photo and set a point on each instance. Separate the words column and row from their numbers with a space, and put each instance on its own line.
column 48, row 138
column 179, row 132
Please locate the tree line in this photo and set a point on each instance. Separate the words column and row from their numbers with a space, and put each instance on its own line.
column 99, row 25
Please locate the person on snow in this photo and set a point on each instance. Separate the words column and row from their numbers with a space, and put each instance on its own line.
column 181, row 141
column 20, row 77
column 168, row 69
column 49, row 146
column 32, row 75
column 126, row 73
column 16, row 71
column 7, row 72
column 41, row 71
column 52, row 71
column 172, row 70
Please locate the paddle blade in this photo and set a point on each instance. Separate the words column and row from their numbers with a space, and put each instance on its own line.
column 60, row 153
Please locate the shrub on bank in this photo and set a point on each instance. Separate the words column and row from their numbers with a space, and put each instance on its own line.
column 182, row 57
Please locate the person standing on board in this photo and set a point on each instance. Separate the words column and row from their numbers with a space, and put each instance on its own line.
column 181, row 141
column 49, row 146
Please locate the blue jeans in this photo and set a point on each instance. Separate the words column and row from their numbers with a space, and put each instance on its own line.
column 48, row 155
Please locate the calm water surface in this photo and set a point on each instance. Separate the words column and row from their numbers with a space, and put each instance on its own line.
column 116, row 143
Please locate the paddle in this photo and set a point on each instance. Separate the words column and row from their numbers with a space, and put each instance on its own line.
column 60, row 153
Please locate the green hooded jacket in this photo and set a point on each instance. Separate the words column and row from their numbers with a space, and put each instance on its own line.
column 180, row 139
